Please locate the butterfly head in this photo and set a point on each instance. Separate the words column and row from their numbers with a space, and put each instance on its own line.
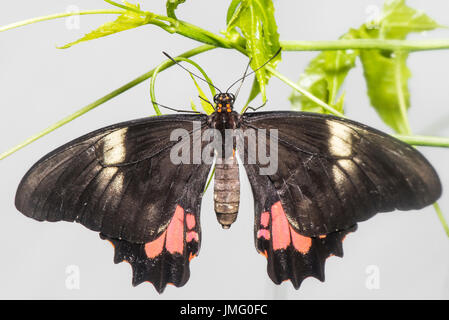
column 224, row 102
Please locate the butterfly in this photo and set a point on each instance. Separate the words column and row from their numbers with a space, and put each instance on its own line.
column 331, row 173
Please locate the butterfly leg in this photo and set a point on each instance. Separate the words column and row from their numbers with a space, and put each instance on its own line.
column 255, row 109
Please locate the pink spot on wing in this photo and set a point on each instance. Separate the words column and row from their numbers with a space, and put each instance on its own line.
column 192, row 235
column 175, row 232
column 154, row 248
column 280, row 229
column 265, row 219
column 263, row 233
column 190, row 220
column 301, row 243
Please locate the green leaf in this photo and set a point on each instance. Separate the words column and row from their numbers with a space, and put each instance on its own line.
column 398, row 20
column 192, row 105
column 324, row 77
column 128, row 20
column 206, row 106
column 232, row 14
column 382, row 70
column 255, row 90
column 339, row 105
column 383, row 89
column 386, row 72
column 172, row 5
column 255, row 21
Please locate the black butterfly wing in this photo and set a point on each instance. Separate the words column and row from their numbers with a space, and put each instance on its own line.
column 121, row 182
column 332, row 173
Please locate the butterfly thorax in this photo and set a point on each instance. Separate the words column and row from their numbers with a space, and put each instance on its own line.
column 227, row 182
column 224, row 116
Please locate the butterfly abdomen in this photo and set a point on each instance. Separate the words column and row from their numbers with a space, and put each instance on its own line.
column 227, row 191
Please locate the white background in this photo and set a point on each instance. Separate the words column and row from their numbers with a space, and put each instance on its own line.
column 40, row 84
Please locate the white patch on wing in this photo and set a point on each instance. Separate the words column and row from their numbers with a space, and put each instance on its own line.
column 114, row 150
column 344, row 169
column 338, row 175
column 105, row 177
column 347, row 165
column 340, row 140
column 117, row 183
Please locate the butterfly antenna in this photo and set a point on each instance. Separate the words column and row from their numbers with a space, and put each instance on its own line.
column 243, row 80
column 193, row 74
column 244, row 76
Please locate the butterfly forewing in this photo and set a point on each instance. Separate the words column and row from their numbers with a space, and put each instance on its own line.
column 333, row 173
column 118, row 180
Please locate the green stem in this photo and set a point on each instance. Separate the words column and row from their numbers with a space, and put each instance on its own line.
column 304, row 92
column 153, row 81
column 163, row 66
column 428, row 141
column 425, row 141
column 441, row 218
column 399, row 82
column 417, row 140
column 194, row 32
column 405, row 125
column 199, row 34
column 380, row 44
column 100, row 101
column 57, row 16
column 125, row 7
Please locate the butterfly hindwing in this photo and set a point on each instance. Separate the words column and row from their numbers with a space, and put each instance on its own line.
column 290, row 255
column 165, row 260
column 332, row 173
